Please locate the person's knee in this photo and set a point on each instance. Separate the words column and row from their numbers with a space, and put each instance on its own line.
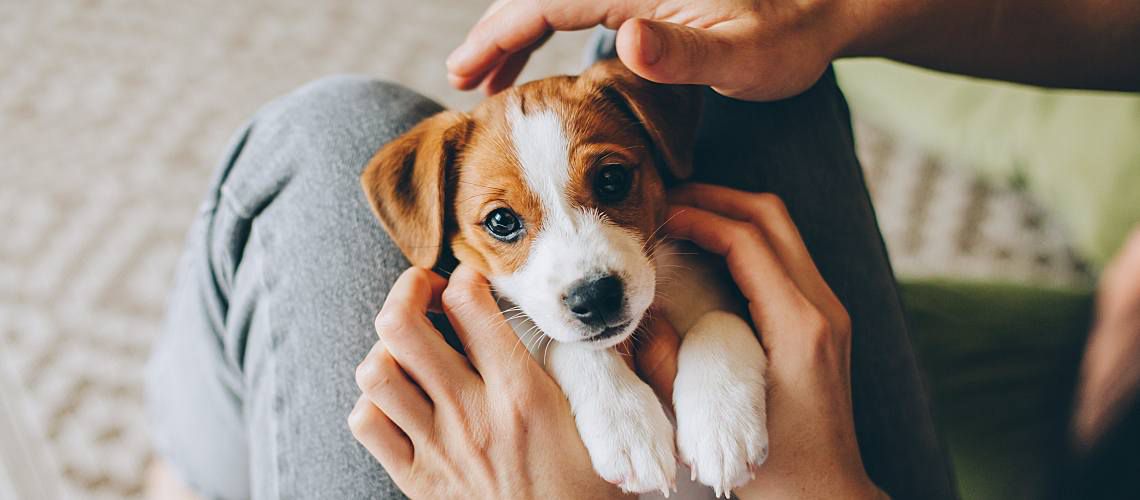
column 331, row 101
column 324, row 130
column 333, row 89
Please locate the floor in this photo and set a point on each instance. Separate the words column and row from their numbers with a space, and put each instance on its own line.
column 113, row 113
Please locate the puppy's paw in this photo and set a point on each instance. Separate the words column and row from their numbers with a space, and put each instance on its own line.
column 630, row 440
column 720, row 402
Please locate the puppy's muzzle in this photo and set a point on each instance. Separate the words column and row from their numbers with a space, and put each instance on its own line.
column 597, row 302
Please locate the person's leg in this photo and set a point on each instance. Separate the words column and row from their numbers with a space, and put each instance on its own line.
column 250, row 385
column 1110, row 467
column 802, row 149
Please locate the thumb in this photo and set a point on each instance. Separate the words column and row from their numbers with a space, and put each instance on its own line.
column 474, row 315
column 673, row 53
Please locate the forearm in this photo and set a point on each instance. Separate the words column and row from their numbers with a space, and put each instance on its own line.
column 855, row 488
column 1079, row 44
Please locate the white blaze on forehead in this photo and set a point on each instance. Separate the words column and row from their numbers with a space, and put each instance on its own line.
column 573, row 243
column 544, row 154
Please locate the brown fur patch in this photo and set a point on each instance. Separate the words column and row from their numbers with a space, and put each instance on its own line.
column 598, row 134
column 609, row 116
column 490, row 178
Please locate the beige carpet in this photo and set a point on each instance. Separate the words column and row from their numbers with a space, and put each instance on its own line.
column 112, row 114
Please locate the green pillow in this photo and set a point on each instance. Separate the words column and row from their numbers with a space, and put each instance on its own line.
column 1078, row 153
column 1001, row 362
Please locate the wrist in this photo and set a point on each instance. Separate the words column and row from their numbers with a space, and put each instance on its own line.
column 859, row 488
column 869, row 491
column 875, row 28
column 838, row 485
column 833, row 25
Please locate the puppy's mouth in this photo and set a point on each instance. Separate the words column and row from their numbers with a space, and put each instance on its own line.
column 610, row 332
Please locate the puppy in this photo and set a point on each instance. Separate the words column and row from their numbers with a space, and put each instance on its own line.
column 554, row 190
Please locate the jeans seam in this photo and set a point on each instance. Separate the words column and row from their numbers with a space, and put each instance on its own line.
column 277, row 405
column 230, row 201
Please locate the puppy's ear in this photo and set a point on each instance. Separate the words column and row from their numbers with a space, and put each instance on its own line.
column 406, row 183
column 668, row 113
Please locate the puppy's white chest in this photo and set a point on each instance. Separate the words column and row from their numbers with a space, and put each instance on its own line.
column 719, row 393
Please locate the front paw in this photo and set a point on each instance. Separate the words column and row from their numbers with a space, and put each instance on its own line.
column 630, row 441
column 720, row 404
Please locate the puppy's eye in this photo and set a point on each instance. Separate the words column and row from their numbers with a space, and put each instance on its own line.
column 612, row 183
column 503, row 224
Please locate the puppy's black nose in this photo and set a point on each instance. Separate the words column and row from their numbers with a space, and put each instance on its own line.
column 596, row 301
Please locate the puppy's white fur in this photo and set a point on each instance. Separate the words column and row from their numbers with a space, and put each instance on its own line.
column 719, row 391
column 572, row 243
column 719, row 396
column 620, row 419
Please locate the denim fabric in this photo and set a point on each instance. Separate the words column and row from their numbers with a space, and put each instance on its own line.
column 285, row 267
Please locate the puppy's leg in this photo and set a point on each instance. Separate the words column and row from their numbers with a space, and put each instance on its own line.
column 719, row 401
column 620, row 419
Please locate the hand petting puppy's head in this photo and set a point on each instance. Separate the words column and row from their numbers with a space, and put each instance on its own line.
column 553, row 190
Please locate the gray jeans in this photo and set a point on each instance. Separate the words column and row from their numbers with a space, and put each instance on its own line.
column 285, row 267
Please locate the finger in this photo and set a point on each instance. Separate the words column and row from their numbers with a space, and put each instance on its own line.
column 384, row 383
column 765, row 211
column 471, row 81
column 768, row 213
column 673, row 53
column 409, row 336
column 656, row 359
column 773, row 297
column 417, row 290
column 512, row 27
column 1118, row 281
column 518, row 24
column 504, row 75
column 487, row 338
column 380, row 436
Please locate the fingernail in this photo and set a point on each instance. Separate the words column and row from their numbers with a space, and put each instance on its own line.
column 366, row 371
column 651, row 46
column 456, row 56
column 357, row 414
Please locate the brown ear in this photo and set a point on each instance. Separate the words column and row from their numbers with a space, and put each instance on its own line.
column 669, row 113
column 406, row 182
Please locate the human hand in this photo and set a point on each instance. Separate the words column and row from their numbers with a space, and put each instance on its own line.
column 1109, row 375
column 747, row 49
column 491, row 425
column 803, row 327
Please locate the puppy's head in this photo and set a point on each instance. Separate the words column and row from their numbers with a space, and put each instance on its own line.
column 553, row 190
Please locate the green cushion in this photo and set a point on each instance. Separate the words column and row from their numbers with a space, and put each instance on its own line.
column 1078, row 153
column 1001, row 361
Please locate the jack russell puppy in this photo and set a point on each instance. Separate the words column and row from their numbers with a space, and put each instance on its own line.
column 554, row 190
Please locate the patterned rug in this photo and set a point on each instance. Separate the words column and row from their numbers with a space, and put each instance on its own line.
column 114, row 112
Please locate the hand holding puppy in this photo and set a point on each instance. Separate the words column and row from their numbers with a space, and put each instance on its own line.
column 804, row 329
column 491, row 425
column 496, row 425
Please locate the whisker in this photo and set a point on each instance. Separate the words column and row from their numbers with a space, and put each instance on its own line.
column 524, row 340
column 658, row 241
column 546, row 350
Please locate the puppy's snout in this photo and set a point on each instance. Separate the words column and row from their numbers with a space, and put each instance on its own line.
column 596, row 301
